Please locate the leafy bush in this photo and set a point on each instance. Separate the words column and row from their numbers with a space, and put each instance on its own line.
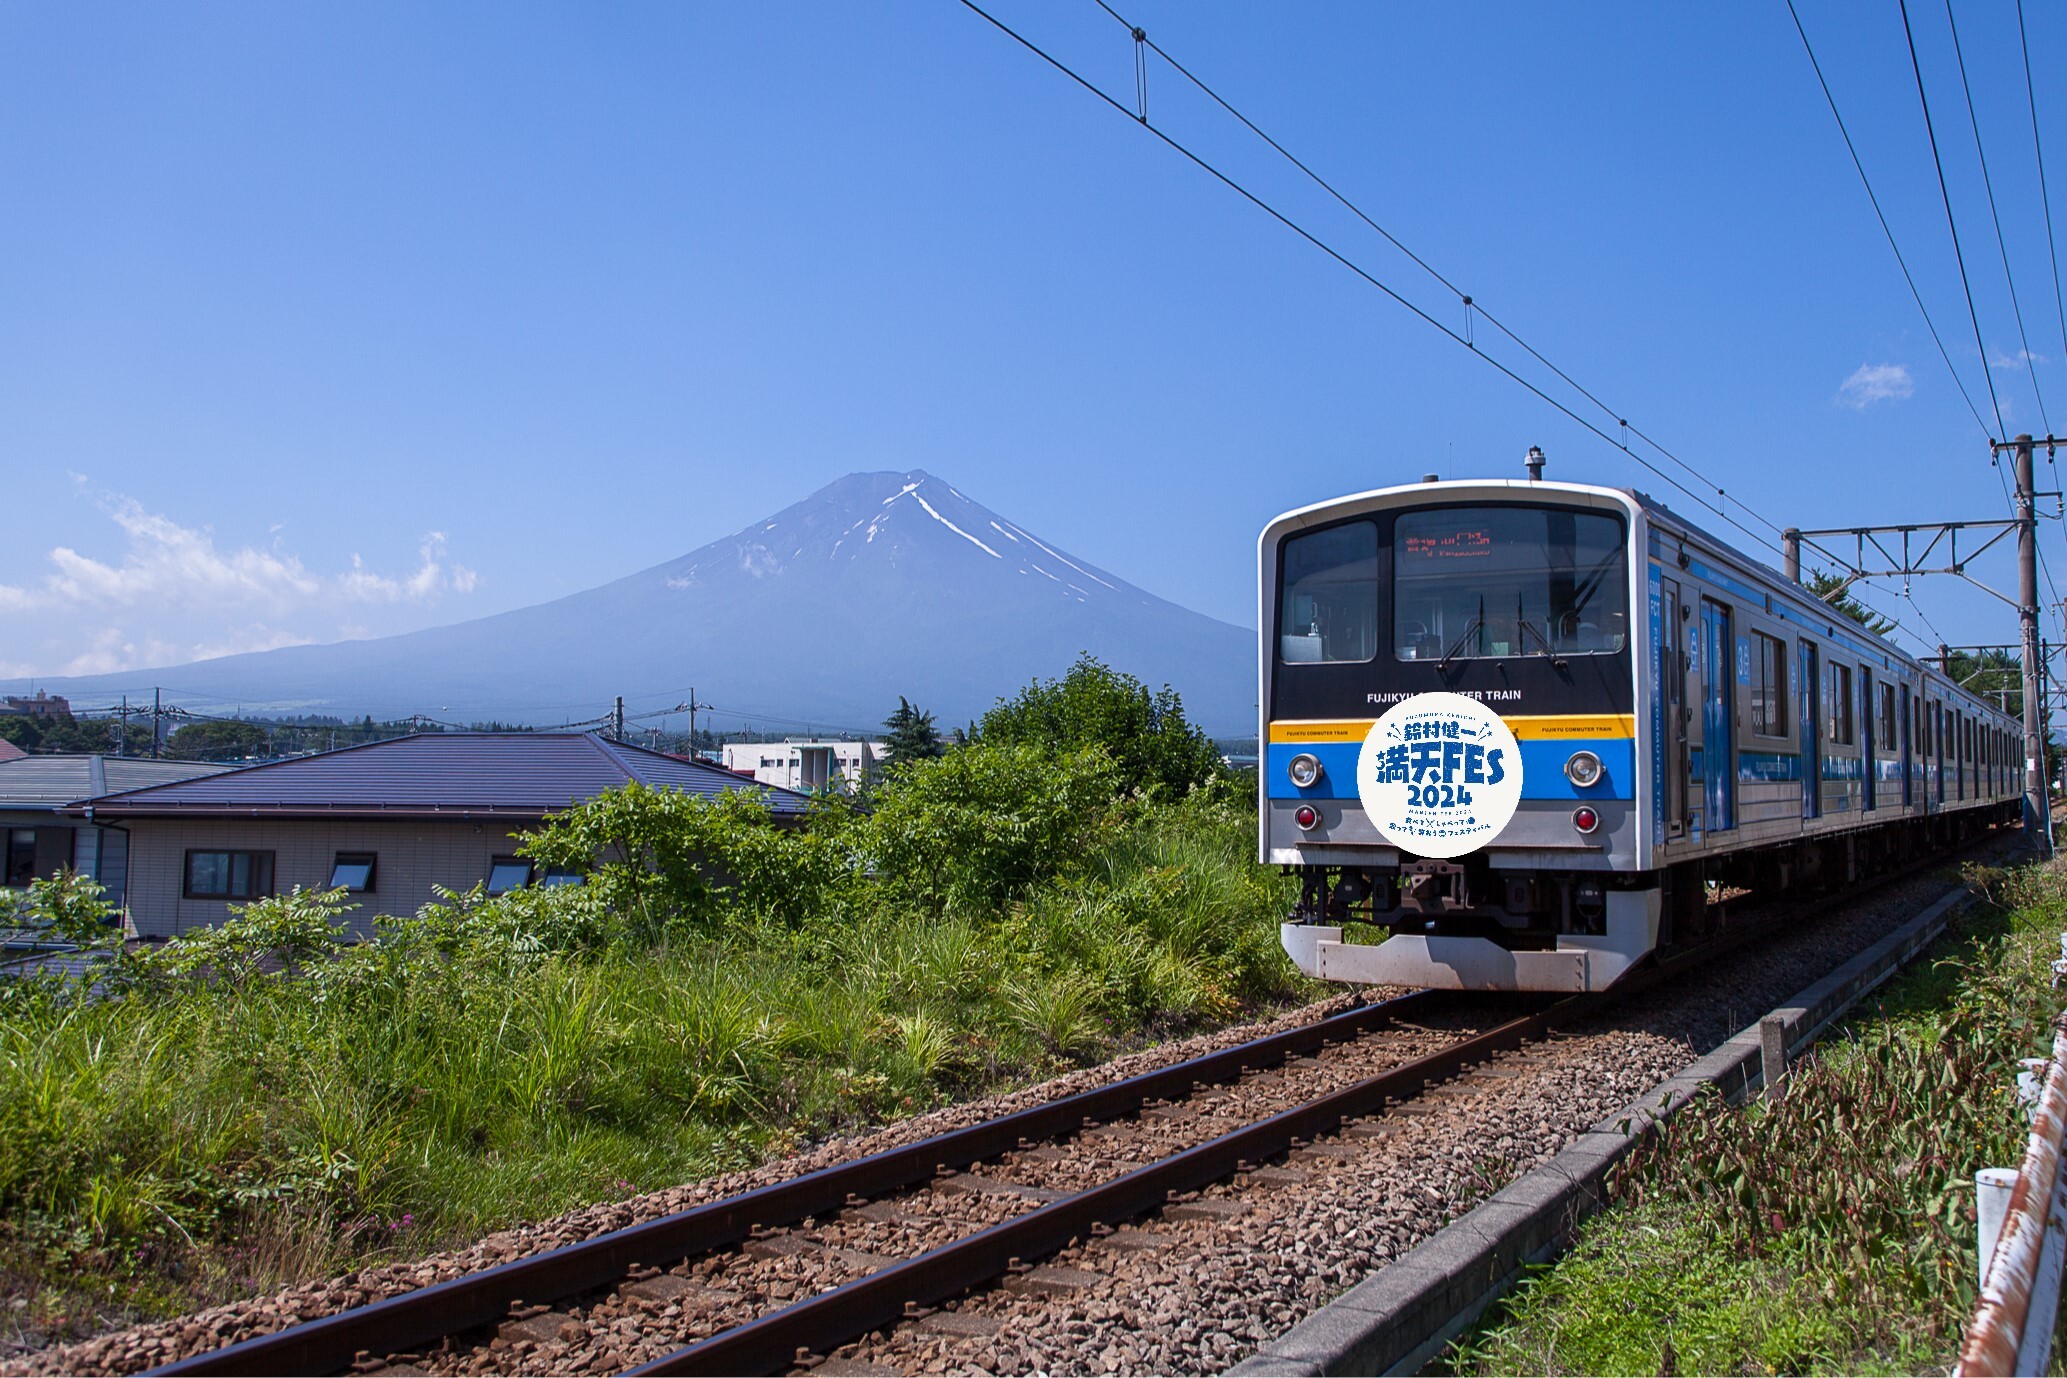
column 1151, row 745
column 981, row 825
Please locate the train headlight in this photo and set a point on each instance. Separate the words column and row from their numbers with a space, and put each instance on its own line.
column 1304, row 769
column 1583, row 769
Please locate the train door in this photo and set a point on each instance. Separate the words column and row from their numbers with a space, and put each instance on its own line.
column 1672, row 679
column 1719, row 714
column 1868, row 737
column 1938, row 752
column 1809, row 677
column 1908, row 745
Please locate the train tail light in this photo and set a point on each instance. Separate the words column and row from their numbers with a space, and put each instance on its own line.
column 1585, row 819
column 1306, row 816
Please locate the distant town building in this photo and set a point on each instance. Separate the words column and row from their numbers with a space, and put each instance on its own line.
column 807, row 764
column 41, row 706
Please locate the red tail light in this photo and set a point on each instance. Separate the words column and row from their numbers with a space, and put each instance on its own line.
column 1585, row 819
column 1305, row 816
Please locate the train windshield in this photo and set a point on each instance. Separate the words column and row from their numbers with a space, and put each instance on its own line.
column 1329, row 611
column 1487, row 582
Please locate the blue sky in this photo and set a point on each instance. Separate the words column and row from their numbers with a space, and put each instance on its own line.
column 326, row 320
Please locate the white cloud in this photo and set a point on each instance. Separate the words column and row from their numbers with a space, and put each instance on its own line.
column 169, row 566
column 1872, row 383
column 2018, row 360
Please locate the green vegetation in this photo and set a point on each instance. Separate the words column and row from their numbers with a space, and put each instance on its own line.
column 259, row 1101
column 1146, row 735
column 1831, row 1232
column 909, row 735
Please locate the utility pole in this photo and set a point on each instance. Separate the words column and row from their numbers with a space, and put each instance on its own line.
column 617, row 721
column 157, row 710
column 2037, row 807
column 692, row 722
column 122, row 732
column 1790, row 554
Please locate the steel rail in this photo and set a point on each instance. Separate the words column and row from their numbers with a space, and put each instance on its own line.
column 774, row 1342
column 422, row 1316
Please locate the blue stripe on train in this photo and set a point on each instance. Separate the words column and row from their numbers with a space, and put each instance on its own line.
column 1543, row 769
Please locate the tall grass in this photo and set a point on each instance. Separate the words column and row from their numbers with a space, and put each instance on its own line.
column 1832, row 1230
column 209, row 1121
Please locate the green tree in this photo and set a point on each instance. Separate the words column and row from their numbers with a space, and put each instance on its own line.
column 983, row 825
column 1995, row 676
column 1146, row 735
column 218, row 741
column 21, row 729
column 104, row 735
column 1827, row 586
column 910, row 735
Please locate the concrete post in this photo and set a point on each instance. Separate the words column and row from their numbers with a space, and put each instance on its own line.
column 1790, row 553
column 1991, row 1201
column 1772, row 1049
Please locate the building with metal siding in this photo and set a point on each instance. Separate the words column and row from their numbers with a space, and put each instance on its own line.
column 38, row 838
column 394, row 819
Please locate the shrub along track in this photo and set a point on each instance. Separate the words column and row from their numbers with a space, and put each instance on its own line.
column 1231, row 1251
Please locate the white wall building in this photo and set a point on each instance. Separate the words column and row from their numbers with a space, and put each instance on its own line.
column 807, row 765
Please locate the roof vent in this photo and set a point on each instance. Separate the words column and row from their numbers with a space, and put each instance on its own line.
column 1431, row 478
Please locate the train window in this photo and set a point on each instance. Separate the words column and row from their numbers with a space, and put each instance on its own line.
column 1884, row 719
column 1842, row 729
column 1328, row 611
column 1768, row 686
column 1486, row 582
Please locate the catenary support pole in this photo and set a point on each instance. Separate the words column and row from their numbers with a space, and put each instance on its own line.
column 2036, row 810
column 1790, row 553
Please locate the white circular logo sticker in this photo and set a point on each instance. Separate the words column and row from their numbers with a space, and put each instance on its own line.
column 1439, row 775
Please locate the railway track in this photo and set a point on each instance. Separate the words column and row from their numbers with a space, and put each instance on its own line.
column 901, row 1230
column 776, row 1278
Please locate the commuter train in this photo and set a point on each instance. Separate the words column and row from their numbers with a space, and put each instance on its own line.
column 1689, row 724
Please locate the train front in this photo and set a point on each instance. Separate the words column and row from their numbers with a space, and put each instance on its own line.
column 1516, row 596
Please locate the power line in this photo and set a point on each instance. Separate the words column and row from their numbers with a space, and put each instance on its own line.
column 1274, row 213
column 1888, row 230
column 1471, row 304
column 1945, row 193
column 2038, row 148
column 1988, row 185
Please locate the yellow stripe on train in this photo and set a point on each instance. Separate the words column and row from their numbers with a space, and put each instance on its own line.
column 1533, row 727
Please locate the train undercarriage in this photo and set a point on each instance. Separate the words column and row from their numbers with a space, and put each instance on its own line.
column 1470, row 925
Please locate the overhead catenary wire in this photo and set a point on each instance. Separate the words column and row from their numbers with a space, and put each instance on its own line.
column 1473, row 308
column 1903, row 263
column 2002, row 245
column 2052, row 243
column 1141, row 40
column 1951, row 222
column 1371, row 279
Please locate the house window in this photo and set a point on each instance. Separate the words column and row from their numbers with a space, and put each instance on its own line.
column 1841, row 705
column 229, row 875
column 562, row 875
column 507, row 873
column 354, row 871
column 21, row 855
column 1768, row 686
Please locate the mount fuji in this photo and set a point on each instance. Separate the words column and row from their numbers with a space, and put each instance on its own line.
column 876, row 586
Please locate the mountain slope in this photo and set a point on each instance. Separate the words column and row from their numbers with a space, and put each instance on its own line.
column 877, row 585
